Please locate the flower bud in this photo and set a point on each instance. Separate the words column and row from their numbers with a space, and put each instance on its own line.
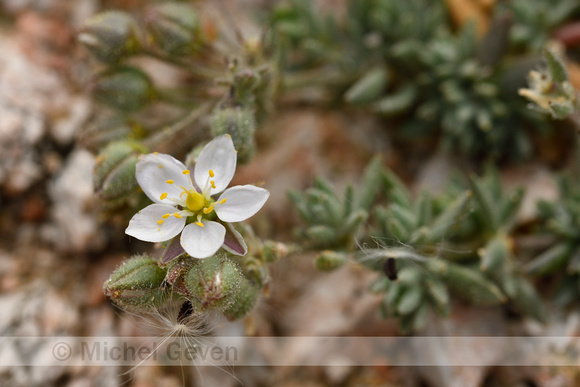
column 114, row 175
column 177, row 271
column 110, row 36
column 104, row 131
column 245, row 83
column 213, row 282
column 329, row 260
column 174, row 28
column 138, row 282
column 273, row 251
column 238, row 122
column 255, row 271
column 243, row 301
column 124, row 88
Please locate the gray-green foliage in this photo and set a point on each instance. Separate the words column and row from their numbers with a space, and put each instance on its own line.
column 403, row 61
column 333, row 220
column 561, row 219
column 430, row 248
column 534, row 20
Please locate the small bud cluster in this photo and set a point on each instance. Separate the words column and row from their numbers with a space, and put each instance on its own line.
column 213, row 98
column 550, row 89
column 170, row 32
column 225, row 283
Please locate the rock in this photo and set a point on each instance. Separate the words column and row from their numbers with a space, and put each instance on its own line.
column 33, row 99
column 332, row 310
column 73, row 210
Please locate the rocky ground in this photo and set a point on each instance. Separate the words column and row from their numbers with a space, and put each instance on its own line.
column 56, row 249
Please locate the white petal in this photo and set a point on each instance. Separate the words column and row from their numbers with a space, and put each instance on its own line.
column 154, row 171
column 219, row 155
column 203, row 242
column 242, row 202
column 150, row 225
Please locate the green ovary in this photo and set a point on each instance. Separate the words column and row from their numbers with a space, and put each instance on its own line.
column 194, row 201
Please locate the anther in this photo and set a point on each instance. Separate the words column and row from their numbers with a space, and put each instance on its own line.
column 186, row 172
column 176, row 214
column 207, row 210
column 211, row 174
column 223, row 201
column 160, row 221
column 163, row 195
column 212, row 184
column 199, row 224
column 165, row 216
column 169, row 181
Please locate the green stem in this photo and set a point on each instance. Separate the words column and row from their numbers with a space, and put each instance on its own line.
column 191, row 67
column 170, row 132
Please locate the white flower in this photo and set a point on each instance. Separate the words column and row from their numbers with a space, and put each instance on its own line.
column 191, row 207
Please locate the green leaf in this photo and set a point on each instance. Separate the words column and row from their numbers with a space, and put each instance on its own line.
column 368, row 88
column 409, row 300
column 370, row 185
column 550, row 260
column 467, row 283
column 447, row 220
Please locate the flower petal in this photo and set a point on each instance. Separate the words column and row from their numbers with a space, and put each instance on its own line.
column 172, row 251
column 219, row 156
column 234, row 242
column 161, row 176
column 203, row 242
column 152, row 224
column 242, row 202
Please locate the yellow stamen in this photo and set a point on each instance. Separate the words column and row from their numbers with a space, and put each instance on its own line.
column 212, row 184
column 186, row 172
column 176, row 214
column 165, row 216
column 155, row 153
column 169, row 181
column 163, row 195
column 199, row 224
column 223, row 201
column 160, row 166
column 207, row 210
column 211, row 174
column 160, row 221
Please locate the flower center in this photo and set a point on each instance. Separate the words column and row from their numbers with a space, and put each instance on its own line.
column 194, row 201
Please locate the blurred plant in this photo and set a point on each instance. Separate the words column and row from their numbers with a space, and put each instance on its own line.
column 550, row 89
column 535, row 20
column 404, row 62
column 426, row 248
column 561, row 220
